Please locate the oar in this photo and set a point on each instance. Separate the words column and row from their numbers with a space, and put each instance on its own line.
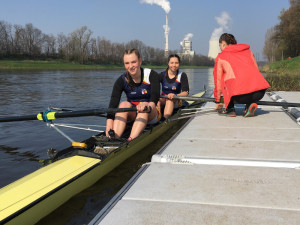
column 48, row 115
column 203, row 99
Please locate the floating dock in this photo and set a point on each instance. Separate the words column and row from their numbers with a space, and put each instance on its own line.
column 219, row 170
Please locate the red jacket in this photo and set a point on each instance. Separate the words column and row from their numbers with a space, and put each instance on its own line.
column 236, row 73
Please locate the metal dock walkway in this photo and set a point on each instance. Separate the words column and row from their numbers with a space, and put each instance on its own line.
column 219, row 170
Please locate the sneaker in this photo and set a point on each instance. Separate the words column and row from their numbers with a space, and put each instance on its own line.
column 250, row 111
column 227, row 112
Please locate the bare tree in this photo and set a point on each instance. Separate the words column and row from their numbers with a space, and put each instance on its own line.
column 63, row 46
column 80, row 39
column 93, row 49
column 104, row 49
column 6, row 39
column 271, row 44
column 28, row 40
column 49, row 45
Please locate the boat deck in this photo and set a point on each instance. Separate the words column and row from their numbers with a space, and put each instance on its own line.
column 219, row 170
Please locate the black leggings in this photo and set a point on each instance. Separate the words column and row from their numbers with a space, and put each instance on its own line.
column 247, row 99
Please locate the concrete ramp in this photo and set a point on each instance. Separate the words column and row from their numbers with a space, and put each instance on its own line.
column 219, row 170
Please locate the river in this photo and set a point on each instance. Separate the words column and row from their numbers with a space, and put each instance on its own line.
column 23, row 144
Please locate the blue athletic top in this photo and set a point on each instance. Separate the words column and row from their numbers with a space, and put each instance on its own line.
column 141, row 93
column 148, row 90
column 175, row 85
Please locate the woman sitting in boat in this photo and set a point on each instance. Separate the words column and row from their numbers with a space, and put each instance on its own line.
column 142, row 89
column 237, row 77
column 174, row 83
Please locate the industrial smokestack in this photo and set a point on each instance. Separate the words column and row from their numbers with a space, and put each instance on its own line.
column 167, row 37
column 165, row 4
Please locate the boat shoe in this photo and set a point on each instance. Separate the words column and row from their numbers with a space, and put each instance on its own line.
column 249, row 112
column 227, row 112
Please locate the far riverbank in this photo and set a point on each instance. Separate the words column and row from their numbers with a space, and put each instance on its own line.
column 62, row 65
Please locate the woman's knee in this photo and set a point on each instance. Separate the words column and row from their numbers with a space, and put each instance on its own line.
column 125, row 104
column 258, row 95
column 153, row 112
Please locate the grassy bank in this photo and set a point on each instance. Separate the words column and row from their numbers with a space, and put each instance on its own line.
column 283, row 75
column 49, row 65
column 284, row 67
column 62, row 65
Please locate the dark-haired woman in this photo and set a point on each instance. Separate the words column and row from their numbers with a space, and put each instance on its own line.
column 142, row 89
column 173, row 83
column 237, row 77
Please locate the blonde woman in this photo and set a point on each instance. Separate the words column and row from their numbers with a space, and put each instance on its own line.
column 142, row 89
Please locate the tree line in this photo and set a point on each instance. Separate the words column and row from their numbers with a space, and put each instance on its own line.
column 29, row 42
column 283, row 40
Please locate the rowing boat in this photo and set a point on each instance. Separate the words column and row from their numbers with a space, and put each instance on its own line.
column 74, row 169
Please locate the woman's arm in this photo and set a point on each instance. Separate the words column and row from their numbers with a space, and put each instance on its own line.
column 114, row 102
column 184, row 85
column 116, row 96
column 218, row 71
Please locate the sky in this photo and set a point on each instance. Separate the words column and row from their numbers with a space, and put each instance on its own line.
column 125, row 20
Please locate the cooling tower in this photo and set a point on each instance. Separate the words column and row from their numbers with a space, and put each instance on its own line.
column 214, row 49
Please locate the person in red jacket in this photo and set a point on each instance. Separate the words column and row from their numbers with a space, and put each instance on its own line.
column 237, row 77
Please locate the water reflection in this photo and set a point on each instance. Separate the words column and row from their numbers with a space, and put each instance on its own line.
column 13, row 151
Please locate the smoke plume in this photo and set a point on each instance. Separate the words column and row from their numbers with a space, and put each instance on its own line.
column 187, row 37
column 223, row 21
column 165, row 4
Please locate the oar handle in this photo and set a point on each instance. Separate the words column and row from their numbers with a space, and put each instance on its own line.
column 92, row 112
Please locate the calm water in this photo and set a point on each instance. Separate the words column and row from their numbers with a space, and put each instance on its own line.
column 23, row 144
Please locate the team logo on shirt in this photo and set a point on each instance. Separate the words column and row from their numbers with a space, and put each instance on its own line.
column 173, row 88
column 144, row 91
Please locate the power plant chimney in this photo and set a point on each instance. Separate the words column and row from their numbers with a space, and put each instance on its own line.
column 167, row 37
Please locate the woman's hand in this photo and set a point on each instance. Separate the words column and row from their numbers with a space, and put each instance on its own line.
column 171, row 95
column 140, row 108
column 106, row 131
column 219, row 106
column 109, row 126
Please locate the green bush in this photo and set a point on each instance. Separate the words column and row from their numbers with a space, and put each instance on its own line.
column 283, row 82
